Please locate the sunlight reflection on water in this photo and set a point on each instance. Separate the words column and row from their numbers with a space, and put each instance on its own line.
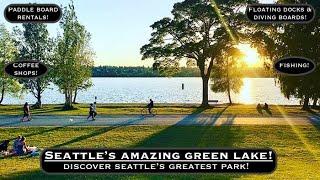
column 245, row 95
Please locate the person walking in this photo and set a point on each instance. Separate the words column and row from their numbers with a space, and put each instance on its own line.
column 150, row 106
column 94, row 110
column 91, row 112
column 26, row 112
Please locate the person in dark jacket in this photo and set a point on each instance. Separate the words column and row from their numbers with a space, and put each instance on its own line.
column 91, row 112
column 150, row 106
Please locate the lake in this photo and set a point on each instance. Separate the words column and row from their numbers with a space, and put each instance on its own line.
column 163, row 90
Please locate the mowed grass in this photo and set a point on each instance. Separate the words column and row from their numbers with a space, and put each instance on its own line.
column 297, row 147
column 127, row 109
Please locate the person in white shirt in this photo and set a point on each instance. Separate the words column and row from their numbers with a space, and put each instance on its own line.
column 94, row 110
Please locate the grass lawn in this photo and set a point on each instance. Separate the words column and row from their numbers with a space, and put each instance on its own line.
column 297, row 147
column 125, row 109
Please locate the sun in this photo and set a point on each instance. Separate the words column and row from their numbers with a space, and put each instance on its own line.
column 251, row 55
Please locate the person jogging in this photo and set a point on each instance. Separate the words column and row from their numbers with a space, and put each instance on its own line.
column 95, row 108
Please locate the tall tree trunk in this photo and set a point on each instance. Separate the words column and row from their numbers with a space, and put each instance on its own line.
column 39, row 103
column 315, row 101
column 68, row 100
column 205, row 75
column 65, row 96
column 38, row 95
column 229, row 95
column 228, row 79
column 306, row 103
column 205, row 86
column 75, row 96
column 2, row 93
column 70, row 103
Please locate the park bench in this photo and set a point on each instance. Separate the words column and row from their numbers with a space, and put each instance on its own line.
column 213, row 101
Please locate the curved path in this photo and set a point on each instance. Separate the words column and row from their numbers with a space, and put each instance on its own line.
column 179, row 120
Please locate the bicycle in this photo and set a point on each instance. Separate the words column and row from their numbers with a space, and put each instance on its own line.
column 145, row 112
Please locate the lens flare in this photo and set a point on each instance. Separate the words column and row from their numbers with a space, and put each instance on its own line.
column 251, row 55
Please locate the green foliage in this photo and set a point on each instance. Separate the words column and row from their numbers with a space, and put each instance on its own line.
column 197, row 32
column 82, row 87
column 228, row 73
column 188, row 35
column 34, row 43
column 73, row 60
column 294, row 40
column 8, row 53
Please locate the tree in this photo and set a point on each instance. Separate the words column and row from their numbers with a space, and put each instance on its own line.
column 228, row 74
column 85, row 85
column 35, row 44
column 294, row 40
column 73, row 58
column 8, row 53
column 194, row 33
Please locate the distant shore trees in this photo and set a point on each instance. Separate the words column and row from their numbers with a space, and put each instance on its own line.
column 140, row 71
column 120, row 71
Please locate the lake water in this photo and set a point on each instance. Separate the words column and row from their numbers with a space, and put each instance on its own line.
column 163, row 90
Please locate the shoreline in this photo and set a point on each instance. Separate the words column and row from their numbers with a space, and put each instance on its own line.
column 240, row 110
column 159, row 104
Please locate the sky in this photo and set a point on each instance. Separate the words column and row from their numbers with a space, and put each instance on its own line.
column 118, row 27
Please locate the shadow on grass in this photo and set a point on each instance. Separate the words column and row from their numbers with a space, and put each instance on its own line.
column 202, row 133
column 315, row 121
column 55, row 109
column 38, row 174
column 50, row 130
column 313, row 112
column 180, row 135
column 315, row 118
column 99, row 132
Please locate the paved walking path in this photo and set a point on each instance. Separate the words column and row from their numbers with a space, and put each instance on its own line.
column 179, row 120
